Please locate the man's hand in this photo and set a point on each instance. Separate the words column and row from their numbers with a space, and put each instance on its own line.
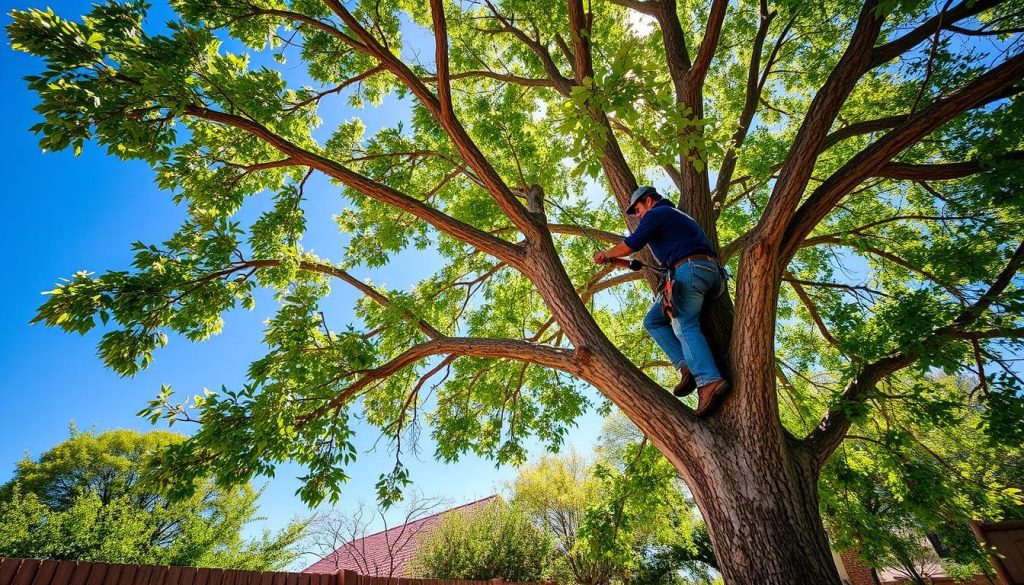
column 617, row 251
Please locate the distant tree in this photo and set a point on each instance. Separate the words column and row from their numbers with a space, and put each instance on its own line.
column 498, row 540
column 83, row 500
column 644, row 518
column 336, row 536
column 555, row 492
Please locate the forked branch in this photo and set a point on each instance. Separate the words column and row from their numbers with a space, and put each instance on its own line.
column 872, row 159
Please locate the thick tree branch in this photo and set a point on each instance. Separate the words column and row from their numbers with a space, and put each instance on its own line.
column 1015, row 333
column 677, row 55
column 864, row 127
column 708, row 44
column 796, row 171
column 508, row 252
column 940, row 171
column 870, row 161
column 889, row 122
column 579, row 29
column 648, row 7
column 444, row 87
column 671, row 171
column 896, row 47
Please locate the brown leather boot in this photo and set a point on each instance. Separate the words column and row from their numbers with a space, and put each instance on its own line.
column 710, row 396
column 686, row 383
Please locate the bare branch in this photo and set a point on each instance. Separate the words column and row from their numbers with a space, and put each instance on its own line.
column 338, row 89
column 562, row 84
column 755, row 84
column 517, row 350
column 575, row 230
column 318, row 24
column 329, row 270
column 813, row 311
column 467, row 148
column 950, row 288
column 505, row 77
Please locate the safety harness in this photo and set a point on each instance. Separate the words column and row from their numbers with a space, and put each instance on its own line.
column 668, row 283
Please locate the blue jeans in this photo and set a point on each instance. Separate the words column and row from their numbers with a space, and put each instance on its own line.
column 680, row 338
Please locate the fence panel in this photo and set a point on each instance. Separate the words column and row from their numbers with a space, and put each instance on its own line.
column 45, row 573
column 49, row 572
column 8, row 569
column 26, row 572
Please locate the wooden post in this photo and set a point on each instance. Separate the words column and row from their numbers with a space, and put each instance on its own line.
column 993, row 555
column 349, row 577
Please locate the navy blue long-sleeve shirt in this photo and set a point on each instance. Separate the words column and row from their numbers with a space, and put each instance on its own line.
column 671, row 234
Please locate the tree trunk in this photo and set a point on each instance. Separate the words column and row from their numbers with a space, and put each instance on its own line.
column 760, row 502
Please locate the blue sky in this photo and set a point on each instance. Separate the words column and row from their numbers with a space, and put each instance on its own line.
column 63, row 214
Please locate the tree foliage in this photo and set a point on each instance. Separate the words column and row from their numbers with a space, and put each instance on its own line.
column 903, row 479
column 495, row 541
column 622, row 516
column 856, row 164
column 84, row 500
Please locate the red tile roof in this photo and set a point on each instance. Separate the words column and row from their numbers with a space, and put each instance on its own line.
column 387, row 553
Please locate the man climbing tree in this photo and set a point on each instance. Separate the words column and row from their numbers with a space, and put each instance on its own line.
column 692, row 271
column 868, row 194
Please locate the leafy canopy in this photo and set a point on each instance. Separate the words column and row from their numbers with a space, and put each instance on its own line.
column 84, row 499
column 209, row 102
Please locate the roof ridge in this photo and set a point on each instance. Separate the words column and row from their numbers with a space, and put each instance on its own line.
column 418, row 520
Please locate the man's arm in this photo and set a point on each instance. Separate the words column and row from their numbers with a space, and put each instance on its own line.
column 617, row 251
column 633, row 242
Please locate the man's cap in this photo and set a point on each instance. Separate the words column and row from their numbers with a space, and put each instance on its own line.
column 641, row 192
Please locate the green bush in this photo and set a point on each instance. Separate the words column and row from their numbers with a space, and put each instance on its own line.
column 496, row 541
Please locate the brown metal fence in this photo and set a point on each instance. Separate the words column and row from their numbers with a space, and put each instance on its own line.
column 36, row 572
